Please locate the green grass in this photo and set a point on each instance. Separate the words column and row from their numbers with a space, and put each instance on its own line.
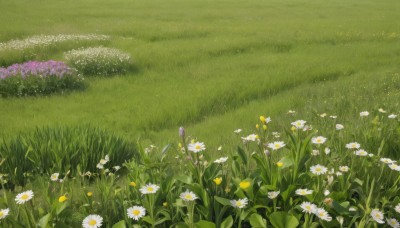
column 214, row 66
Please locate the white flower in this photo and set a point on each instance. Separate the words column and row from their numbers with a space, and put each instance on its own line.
column 219, row 148
column 318, row 169
column 397, row 208
column 276, row 134
column 303, row 192
column 221, row 160
column 371, row 155
column 196, row 147
column 392, row 116
column 381, row 110
column 54, row 177
column 291, row 112
column 318, row 140
column 99, row 166
column 364, row 113
column 353, row 145
column 273, row 195
column 387, row 160
column 237, row 131
column 339, row 126
column 241, row 203
column 4, row 213
column 344, row 169
column 251, row 137
column 136, row 212
column 308, row 207
column 333, row 117
column 276, row 145
column 92, row 221
column 377, row 216
column 315, row 152
column 188, row 196
column 322, row 115
column 352, row 209
column 299, row 124
column 361, row 152
column 393, row 223
column 340, row 219
column 117, row 167
column 149, row 189
column 24, row 197
column 327, row 192
column 327, row 150
column 322, row 214
column 394, row 167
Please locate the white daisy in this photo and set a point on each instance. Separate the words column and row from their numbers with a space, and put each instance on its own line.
column 393, row 223
column 196, row 147
column 237, row 131
column 24, row 197
column 54, row 177
column 315, row 152
column 92, row 221
column 276, row 145
column 117, row 167
column 353, row 145
column 241, row 203
column 318, row 169
column 4, row 213
column 99, row 166
column 397, row 208
column 221, row 160
column 252, row 137
column 291, row 112
column 327, row 150
column 392, row 116
column 188, row 196
column 322, row 214
column 299, row 124
column 394, row 167
column 273, row 195
column 136, row 212
column 381, row 110
column 149, row 189
column 327, row 192
column 387, row 160
column 361, row 152
column 364, row 113
column 333, row 117
column 318, row 140
column 105, row 160
column 339, row 126
column 344, row 169
column 377, row 216
column 308, row 207
column 303, row 192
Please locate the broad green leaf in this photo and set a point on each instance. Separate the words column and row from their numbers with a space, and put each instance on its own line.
column 43, row 222
column 287, row 162
column 283, row 220
column 257, row 221
column 184, row 179
column 120, row 224
column 242, row 154
column 227, row 223
column 223, row 201
column 205, row 224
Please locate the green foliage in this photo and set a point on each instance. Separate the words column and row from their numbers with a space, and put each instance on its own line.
column 59, row 150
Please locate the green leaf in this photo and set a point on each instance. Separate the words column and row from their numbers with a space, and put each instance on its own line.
column 287, row 162
column 120, row 224
column 242, row 155
column 148, row 220
column 44, row 221
column 184, row 179
column 283, row 220
column 205, row 224
column 223, row 201
column 339, row 208
column 227, row 223
column 257, row 221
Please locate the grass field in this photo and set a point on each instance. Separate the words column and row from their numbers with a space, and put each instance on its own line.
column 212, row 67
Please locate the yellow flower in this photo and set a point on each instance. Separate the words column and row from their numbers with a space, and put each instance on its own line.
column 62, row 199
column 293, row 129
column 218, row 180
column 165, row 204
column 265, row 127
column 180, row 145
column 257, row 136
column 133, row 184
column 89, row 194
column 279, row 164
column 257, row 126
column 262, row 119
column 244, row 184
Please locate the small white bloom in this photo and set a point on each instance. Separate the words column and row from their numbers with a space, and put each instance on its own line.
column 377, row 216
column 344, row 169
column 303, row 192
column 322, row 115
column 361, row 152
column 136, row 212
column 219, row 148
column 276, row 145
column 327, row 150
column 364, row 113
column 54, row 176
column 397, row 208
column 333, row 117
column 4, row 213
column 149, row 189
column 299, row 124
column 327, row 192
column 196, row 147
column 24, row 197
column 221, row 160
column 252, row 137
column 100, row 166
column 387, row 160
column 353, row 145
column 92, row 221
column 322, row 214
column 315, row 152
column 273, row 195
column 318, row 140
column 241, row 203
column 291, row 112
column 352, row 209
column 394, row 167
column 381, row 110
column 318, row 169
column 392, row 116
column 308, row 207
column 340, row 219
column 188, row 196
column 339, row 173
column 237, row 131
column 393, row 223
column 117, row 167
column 339, row 126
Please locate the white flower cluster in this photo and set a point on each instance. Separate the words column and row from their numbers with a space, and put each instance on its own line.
column 98, row 60
column 48, row 40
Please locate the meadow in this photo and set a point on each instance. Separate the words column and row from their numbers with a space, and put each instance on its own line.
column 212, row 67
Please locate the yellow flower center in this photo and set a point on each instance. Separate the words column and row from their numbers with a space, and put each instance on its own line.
column 198, row 147
column 378, row 216
column 1, row 214
column 150, row 189
column 188, row 196
column 25, row 196
column 136, row 212
column 319, row 140
column 321, row 214
column 92, row 222
column 318, row 169
column 277, row 146
column 308, row 207
column 238, row 203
